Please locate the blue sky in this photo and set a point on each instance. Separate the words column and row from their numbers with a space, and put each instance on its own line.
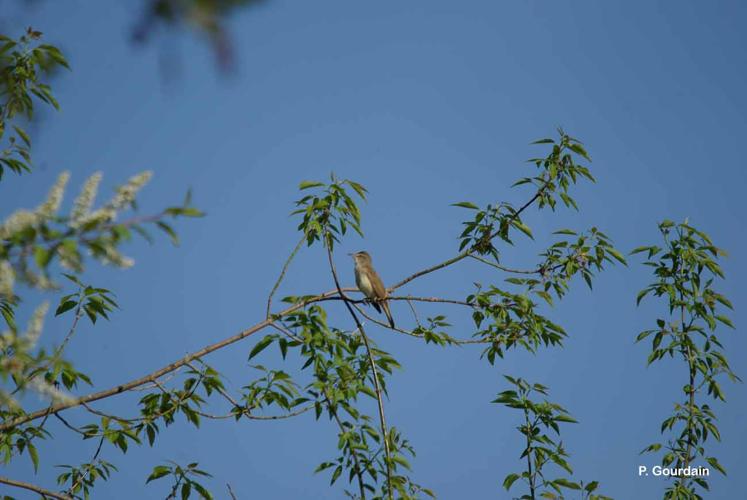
column 426, row 104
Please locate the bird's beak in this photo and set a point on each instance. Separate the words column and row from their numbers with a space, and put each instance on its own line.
column 351, row 254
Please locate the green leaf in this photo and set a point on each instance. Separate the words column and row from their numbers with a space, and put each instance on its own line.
column 466, row 204
column 578, row 149
column 186, row 490
column 725, row 320
column 591, row 486
column 358, row 189
column 616, row 254
column 261, row 345
column 641, row 294
column 639, row 250
column 65, row 306
column 170, row 231
column 714, row 463
column 24, row 136
column 204, row 493
column 523, row 228
column 567, row 484
column 510, row 480
column 34, row 455
column 158, row 472
column 42, row 256
column 336, row 474
column 72, row 278
column 310, row 184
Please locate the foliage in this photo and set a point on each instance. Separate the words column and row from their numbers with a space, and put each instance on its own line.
column 183, row 480
column 541, row 449
column 685, row 269
column 331, row 368
column 23, row 63
column 38, row 244
column 83, row 478
column 339, row 368
column 558, row 170
column 331, row 211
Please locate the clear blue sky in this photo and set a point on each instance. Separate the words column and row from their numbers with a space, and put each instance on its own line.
column 426, row 104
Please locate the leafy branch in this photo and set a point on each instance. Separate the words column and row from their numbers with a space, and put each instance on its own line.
column 685, row 270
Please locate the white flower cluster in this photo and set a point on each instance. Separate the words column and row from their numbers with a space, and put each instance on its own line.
column 45, row 389
column 122, row 199
column 54, row 198
column 7, row 278
column 16, row 222
column 21, row 219
column 83, row 203
column 126, row 194
column 35, row 326
column 115, row 258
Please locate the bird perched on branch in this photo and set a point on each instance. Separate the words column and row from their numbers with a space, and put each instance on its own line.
column 370, row 283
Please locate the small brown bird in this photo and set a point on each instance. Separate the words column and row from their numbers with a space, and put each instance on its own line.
column 370, row 283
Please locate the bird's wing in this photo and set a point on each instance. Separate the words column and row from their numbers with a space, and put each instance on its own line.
column 378, row 286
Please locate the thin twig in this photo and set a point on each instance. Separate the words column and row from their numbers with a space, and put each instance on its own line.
column 416, row 335
column 398, row 297
column 82, row 477
column 73, row 327
column 504, row 268
column 286, row 332
column 414, row 313
column 431, row 269
column 230, row 491
column 247, row 411
column 469, row 251
column 69, row 425
column 250, row 416
column 32, row 487
column 282, row 273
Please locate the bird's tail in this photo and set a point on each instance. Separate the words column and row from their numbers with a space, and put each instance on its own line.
column 385, row 306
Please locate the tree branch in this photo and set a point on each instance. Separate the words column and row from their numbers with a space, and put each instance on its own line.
column 282, row 273
column 467, row 253
column 153, row 376
column 32, row 487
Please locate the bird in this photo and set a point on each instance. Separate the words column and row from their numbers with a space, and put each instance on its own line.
column 370, row 283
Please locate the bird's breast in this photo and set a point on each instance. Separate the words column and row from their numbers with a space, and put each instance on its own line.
column 364, row 284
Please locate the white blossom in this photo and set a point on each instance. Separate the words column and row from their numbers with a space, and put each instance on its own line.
column 83, row 203
column 21, row 219
column 54, row 198
column 115, row 258
column 104, row 214
column 126, row 194
column 7, row 278
column 16, row 222
column 6, row 400
column 35, row 325
column 44, row 388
